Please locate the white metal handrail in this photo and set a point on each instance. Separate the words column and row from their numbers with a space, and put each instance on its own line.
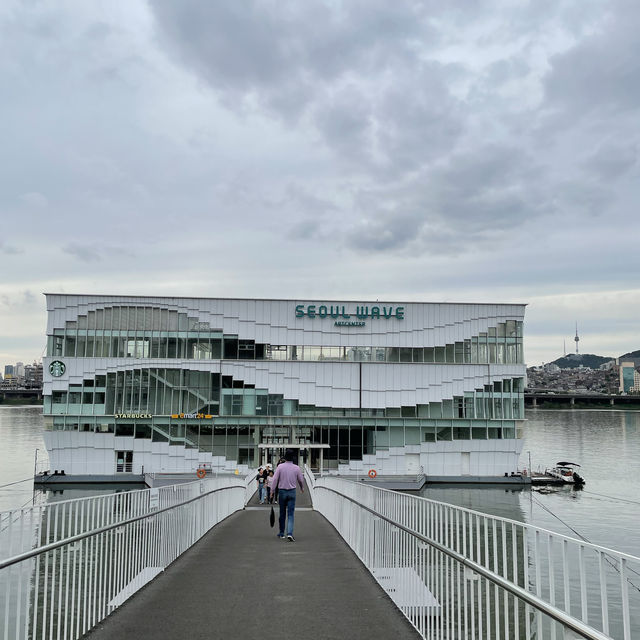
column 82, row 560
column 250, row 485
column 459, row 573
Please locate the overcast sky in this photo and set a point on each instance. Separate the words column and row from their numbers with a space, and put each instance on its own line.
column 433, row 151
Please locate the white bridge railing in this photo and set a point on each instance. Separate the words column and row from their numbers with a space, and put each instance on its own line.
column 457, row 573
column 65, row 566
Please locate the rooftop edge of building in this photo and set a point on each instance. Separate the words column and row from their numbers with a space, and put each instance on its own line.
column 231, row 298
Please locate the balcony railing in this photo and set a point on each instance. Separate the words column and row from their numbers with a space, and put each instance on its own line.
column 457, row 573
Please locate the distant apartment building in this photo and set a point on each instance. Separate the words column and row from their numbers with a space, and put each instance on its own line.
column 629, row 378
column 9, row 371
column 33, row 375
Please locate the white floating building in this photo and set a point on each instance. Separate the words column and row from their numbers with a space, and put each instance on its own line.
column 134, row 385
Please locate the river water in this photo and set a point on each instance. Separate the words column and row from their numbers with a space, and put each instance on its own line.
column 605, row 443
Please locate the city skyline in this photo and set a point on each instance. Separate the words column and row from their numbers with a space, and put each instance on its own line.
column 426, row 152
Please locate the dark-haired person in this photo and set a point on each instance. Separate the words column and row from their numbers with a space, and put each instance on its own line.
column 260, row 480
column 284, row 480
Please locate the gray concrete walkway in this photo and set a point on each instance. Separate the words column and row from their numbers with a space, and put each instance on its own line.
column 241, row 581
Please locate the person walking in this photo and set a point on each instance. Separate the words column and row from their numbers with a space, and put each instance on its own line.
column 284, row 480
column 260, row 480
column 269, row 482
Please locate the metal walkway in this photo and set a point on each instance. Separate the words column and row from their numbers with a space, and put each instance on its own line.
column 241, row 581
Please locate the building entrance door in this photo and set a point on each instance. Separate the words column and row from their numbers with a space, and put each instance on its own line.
column 124, row 461
column 465, row 459
column 412, row 462
column 306, row 453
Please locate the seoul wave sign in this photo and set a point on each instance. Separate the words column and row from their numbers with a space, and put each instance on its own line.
column 351, row 318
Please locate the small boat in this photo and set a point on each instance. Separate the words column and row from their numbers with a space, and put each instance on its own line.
column 565, row 472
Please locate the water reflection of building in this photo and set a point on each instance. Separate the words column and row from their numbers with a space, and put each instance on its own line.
column 167, row 384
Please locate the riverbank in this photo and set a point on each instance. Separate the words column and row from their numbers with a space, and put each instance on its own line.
column 587, row 406
column 20, row 402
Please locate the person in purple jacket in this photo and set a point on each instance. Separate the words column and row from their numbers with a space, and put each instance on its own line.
column 284, row 480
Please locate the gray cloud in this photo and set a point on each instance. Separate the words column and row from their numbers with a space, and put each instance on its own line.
column 95, row 252
column 612, row 159
column 9, row 249
column 35, row 199
column 294, row 59
column 601, row 73
column 385, row 233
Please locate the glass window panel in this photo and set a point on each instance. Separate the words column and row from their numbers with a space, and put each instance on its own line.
column 124, row 429
column 469, row 407
column 412, row 435
column 315, row 353
column 461, row 433
column 428, row 434
column 246, row 349
column 435, row 410
column 59, row 397
column 450, row 353
column 382, row 437
column 396, row 436
column 70, row 346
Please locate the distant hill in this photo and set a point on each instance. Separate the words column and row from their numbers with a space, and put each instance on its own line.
column 573, row 361
column 633, row 356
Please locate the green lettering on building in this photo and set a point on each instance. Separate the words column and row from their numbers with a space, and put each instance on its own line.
column 361, row 312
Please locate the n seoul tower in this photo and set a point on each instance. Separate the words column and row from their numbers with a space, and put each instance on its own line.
column 577, row 338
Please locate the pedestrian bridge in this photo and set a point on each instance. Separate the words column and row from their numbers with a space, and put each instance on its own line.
column 199, row 560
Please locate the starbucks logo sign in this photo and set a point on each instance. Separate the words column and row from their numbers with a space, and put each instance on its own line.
column 57, row 368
